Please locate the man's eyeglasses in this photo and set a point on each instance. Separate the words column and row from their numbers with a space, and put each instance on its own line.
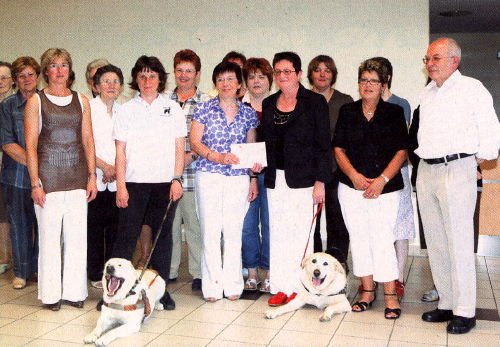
column 435, row 59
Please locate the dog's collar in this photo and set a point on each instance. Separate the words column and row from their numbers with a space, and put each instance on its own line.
column 343, row 291
column 141, row 304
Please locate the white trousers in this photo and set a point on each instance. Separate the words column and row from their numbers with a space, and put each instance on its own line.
column 222, row 203
column 370, row 223
column 447, row 197
column 185, row 213
column 290, row 216
column 62, row 230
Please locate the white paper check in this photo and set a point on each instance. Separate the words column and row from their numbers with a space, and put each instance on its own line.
column 249, row 154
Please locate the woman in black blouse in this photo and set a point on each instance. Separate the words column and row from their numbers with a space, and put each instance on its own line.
column 370, row 146
column 296, row 129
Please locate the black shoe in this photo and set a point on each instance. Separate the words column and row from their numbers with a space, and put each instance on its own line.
column 98, row 307
column 77, row 304
column 437, row 316
column 53, row 307
column 172, row 279
column 461, row 325
column 196, row 285
column 168, row 302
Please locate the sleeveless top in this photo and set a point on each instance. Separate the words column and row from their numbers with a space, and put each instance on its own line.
column 62, row 165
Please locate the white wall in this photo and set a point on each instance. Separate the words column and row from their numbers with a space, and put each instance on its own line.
column 350, row 31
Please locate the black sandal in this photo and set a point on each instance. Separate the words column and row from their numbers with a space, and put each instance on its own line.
column 363, row 305
column 396, row 311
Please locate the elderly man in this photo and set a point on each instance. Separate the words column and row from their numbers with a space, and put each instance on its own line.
column 458, row 126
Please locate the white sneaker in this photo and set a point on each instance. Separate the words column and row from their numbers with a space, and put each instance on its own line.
column 96, row 284
column 431, row 296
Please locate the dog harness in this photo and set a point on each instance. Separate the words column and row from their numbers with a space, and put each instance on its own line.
column 143, row 303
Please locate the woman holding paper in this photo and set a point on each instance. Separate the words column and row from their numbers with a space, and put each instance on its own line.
column 222, row 192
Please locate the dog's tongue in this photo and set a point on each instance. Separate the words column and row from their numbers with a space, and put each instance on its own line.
column 113, row 284
column 316, row 281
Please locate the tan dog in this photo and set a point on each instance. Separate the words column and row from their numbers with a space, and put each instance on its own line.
column 124, row 310
column 323, row 279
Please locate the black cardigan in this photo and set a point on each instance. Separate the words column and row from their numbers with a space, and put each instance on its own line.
column 307, row 149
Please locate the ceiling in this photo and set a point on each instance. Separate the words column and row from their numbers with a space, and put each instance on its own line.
column 485, row 16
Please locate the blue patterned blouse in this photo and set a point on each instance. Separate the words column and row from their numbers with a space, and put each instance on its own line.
column 218, row 135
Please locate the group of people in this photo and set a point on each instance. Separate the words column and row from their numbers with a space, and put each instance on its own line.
column 108, row 174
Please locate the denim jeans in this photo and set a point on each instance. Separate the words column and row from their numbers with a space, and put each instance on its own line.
column 23, row 230
column 255, row 247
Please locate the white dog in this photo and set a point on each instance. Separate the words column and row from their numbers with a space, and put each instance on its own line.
column 125, row 307
column 323, row 280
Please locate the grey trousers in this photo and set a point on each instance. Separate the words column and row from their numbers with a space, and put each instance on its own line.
column 447, row 198
column 186, row 213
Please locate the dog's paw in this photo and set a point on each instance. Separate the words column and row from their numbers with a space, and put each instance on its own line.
column 270, row 314
column 159, row 306
column 90, row 338
column 325, row 318
column 102, row 342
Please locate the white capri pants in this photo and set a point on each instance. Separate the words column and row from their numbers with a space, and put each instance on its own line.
column 222, row 203
column 370, row 223
column 290, row 216
column 62, row 230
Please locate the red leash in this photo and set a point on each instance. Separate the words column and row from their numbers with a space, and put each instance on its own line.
column 315, row 215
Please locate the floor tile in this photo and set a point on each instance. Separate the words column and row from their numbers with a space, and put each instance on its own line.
column 157, row 325
column 5, row 321
column 373, row 316
column 416, row 335
column 30, row 299
column 247, row 334
column 370, row 331
column 257, row 320
column 308, row 321
column 51, row 343
column 340, row 340
column 62, row 316
column 207, row 314
column 298, row 338
column 68, row 333
column 196, row 329
column 170, row 340
column 135, row 340
column 228, row 305
column 88, row 319
column 11, row 341
column 222, row 343
column 487, row 327
column 27, row 328
column 16, row 311
column 409, row 344
column 473, row 339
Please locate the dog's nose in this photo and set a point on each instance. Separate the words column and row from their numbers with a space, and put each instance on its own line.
column 110, row 269
column 316, row 273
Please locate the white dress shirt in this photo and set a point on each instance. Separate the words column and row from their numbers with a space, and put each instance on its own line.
column 457, row 117
column 149, row 132
column 102, row 127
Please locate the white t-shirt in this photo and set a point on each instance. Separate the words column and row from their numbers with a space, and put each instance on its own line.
column 149, row 132
column 102, row 128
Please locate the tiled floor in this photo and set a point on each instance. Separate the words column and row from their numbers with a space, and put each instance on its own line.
column 23, row 322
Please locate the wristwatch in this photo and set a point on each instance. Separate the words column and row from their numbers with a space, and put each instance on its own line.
column 178, row 179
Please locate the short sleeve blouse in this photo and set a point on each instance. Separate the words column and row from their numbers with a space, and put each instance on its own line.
column 219, row 135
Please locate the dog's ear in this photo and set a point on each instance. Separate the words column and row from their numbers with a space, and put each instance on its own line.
column 304, row 261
